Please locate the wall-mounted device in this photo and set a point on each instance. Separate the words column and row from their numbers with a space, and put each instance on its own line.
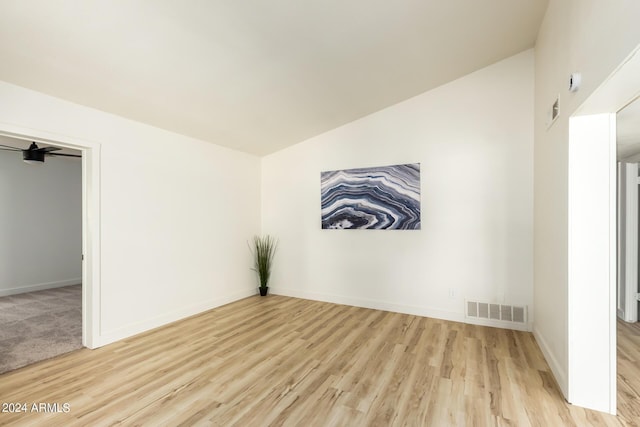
column 575, row 79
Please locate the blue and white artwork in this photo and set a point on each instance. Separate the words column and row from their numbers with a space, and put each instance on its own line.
column 385, row 197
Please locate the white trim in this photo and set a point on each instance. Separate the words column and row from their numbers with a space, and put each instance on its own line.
column 40, row 287
column 173, row 316
column 90, row 219
column 396, row 308
column 613, row 261
column 91, row 238
column 556, row 367
column 621, row 233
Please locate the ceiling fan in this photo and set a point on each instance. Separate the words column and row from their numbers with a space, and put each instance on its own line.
column 35, row 155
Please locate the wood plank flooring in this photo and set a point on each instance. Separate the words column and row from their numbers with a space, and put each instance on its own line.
column 288, row 362
column 629, row 372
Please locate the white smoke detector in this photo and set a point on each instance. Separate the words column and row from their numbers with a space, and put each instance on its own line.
column 575, row 79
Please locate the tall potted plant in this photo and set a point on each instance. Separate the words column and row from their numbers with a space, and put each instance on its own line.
column 264, row 248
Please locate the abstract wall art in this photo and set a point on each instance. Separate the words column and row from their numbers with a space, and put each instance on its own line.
column 385, row 197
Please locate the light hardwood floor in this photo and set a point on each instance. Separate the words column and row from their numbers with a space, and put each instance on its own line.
column 285, row 361
column 629, row 372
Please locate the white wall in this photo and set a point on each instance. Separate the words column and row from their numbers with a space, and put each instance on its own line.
column 176, row 213
column 591, row 37
column 474, row 140
column 40, row 223
column 591, row 273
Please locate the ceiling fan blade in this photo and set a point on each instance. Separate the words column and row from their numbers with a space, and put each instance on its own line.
column 47, row 149
column 65, row 155
column 6, row 147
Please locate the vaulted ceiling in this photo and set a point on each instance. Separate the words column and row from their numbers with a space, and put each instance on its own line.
column 254, row 75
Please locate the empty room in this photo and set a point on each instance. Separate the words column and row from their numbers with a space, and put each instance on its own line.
column 320, row 213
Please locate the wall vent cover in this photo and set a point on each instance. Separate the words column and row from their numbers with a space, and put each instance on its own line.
column 500, row 312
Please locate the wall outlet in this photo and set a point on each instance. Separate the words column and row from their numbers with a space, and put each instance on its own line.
column 453, row 293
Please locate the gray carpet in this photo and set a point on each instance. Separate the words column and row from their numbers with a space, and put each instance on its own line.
column 39, row 325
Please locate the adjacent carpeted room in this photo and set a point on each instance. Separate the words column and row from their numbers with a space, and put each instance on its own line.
column 35, row 326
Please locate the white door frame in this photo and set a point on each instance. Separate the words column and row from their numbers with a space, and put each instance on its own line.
column 592, row 256
column 90, row 221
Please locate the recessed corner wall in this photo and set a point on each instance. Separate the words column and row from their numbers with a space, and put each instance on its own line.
column 40, row 223
column 593, row 38
column 474, row 140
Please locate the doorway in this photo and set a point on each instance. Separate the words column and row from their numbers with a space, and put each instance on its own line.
column 40, row 252
column 592, row 254
column 628, row 286
column 90, row 221
column 628, row 157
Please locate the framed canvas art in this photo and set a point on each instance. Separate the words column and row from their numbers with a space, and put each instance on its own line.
column 379, row 198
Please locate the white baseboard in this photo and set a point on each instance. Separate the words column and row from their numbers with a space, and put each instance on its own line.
column 556, row 368
column 39, row 287
column 109, row 337
column 397, row 308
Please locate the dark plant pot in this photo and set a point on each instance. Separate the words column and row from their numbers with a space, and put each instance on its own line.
column 263, row 291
